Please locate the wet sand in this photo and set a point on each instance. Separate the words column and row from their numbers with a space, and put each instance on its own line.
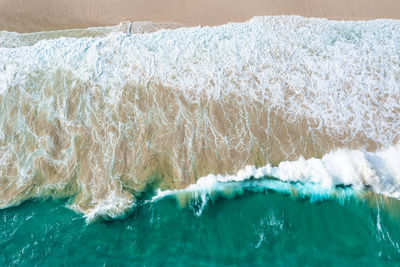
column 39, row 15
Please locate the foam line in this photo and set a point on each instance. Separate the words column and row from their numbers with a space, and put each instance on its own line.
column 338, row 174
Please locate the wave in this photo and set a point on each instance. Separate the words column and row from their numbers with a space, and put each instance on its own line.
column 100, row 115
column 337, row 175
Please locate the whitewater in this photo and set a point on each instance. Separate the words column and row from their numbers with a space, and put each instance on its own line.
column 101, row 115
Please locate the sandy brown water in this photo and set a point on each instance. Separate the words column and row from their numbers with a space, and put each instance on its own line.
column 154, row 136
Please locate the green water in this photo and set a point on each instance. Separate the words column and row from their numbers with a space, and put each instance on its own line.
column 254, row 229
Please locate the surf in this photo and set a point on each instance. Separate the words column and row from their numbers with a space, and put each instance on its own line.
column 100, row 115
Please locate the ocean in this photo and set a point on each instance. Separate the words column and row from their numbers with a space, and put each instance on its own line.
column 274, row 141
column 252, row 229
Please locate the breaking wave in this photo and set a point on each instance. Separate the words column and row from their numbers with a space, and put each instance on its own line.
column 337, row 175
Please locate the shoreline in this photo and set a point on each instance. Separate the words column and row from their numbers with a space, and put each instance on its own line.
column 46, row 15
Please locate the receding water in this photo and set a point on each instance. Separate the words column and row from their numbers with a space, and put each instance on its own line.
column 253, row 229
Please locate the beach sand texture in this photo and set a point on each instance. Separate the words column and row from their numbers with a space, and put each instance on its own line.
column 39, row 15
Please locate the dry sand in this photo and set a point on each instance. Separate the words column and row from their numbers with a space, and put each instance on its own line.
column 37, row 15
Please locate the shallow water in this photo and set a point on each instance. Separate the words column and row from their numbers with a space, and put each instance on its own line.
column 99, row 115
column 253, row 229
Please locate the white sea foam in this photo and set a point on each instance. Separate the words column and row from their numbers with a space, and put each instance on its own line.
column 345, row 75
column 337, row 174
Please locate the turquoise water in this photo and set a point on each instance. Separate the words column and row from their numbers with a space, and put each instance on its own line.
column 252, row 229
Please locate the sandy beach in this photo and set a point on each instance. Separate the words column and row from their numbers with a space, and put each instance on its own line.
column 39, row 15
